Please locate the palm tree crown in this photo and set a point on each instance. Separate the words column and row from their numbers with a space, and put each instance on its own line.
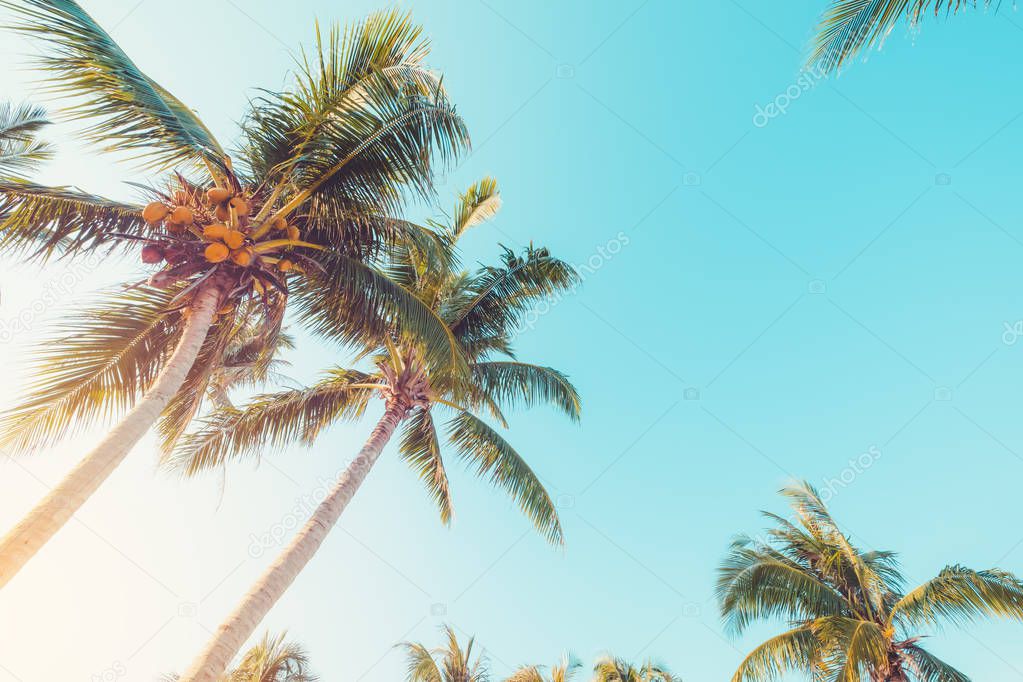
column 271, row 660
column 481, row 310
column 449, row 663
column 562, row 671
column 849, row 27
column 611, row 669
column 849, row 616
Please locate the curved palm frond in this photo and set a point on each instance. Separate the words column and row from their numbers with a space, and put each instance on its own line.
column 854, row 648
column 43, row 221
column 478, row 204
column 849, row 27
column 20, row 148
column 793, row 651
column 929, row 668
column 961, row 595
column 420, row 667
column 510, row 383
column 132, row 112
column 420, row 448
column 273, row 660
column 271, row 420
column 483, row 448
column 101, row 361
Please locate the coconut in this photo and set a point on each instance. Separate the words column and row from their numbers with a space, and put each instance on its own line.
column 222, row 213
column 215, row 231
column 239, row 206
column 154, row 212
column 182, row 215
column 280, row 223
column 241, row 257
column 294, row 234
column 284, row 265
column 217, row 252
column 152, row 253
column 218, row 195
column 234, row 239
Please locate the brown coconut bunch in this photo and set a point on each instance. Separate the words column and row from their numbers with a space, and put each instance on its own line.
column 218, row 195
column 216, row 252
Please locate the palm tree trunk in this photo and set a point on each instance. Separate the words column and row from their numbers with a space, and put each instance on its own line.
column 270, row 587
column 50, row 515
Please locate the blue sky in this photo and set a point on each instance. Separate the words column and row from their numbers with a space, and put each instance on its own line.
column 786, row 294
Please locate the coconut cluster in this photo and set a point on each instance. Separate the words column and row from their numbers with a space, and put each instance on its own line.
column 215, row 229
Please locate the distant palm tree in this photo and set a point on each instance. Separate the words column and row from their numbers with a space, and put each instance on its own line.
column 481, row 310
column 322, row 169
column 562, row 671
column 849, row 617
column 20, row 148
column 449, row 663
column 609, row 669
column 849, row 27
column 272, row 660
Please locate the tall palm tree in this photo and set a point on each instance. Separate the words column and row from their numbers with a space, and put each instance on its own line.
column 480, row 310
column 20, row 147
column 848, row 613
column 449, row 663
column 849, row 27
column 272, row 660
column 562, row 671
column 609, row 669
column 303, row 211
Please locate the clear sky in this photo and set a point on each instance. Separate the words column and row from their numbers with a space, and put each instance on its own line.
column 773, row 295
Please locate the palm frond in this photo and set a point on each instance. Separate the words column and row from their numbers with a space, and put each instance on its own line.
column 273, row 660
column 849, row 27
column 929, row 668
column 483, row 448
column 792, row 651
column 960, row 595
column 130, row 111
column 855, row 648
column 97, row 366
column 20, row 148
column 270, row 420
column 478, row 204
column 511, row 383
column 420, row 448
column 43, row 221
column 420, row 666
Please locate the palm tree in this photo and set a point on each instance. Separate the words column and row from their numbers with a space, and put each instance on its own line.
column 562, row 671
column 480, row 310
column 609, row 669
column 272, row 660
column 848, row 614
column 20, row 148
column 450, row 663
column 302, row 213
column 848, row 27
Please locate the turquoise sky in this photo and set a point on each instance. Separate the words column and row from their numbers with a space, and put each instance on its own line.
column 830, row 293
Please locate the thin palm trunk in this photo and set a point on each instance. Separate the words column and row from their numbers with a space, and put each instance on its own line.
column 50, row 515
column 270, row 587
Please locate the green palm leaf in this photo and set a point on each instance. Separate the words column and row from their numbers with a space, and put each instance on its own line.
column 420, row 448
column 483, row 448
column 44, row 221
column 20, row 148
column 131, row 112
column 849, row 27
column 792, row 651
column 96, row 367
column 930, row 668
column 271, row 420
column 961, row 595
column 510, row 383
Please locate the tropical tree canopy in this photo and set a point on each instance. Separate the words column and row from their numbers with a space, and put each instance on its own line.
column 562, row 671
column 481, row 310
column 300, row 210
column 850, row 27
column 448, row 663
column 849, row 615
column 613, row 669
column 272, row 660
